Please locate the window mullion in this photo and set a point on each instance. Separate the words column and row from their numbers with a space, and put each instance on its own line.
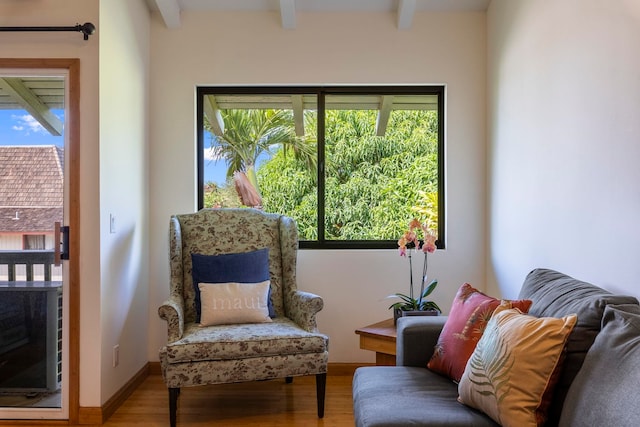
column 321, row 165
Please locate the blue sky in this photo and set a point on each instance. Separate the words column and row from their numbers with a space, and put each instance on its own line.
column 18, row 127
column 215, row 170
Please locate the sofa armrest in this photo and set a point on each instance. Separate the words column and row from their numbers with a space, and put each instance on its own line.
column 172, row 311
column 416, row 339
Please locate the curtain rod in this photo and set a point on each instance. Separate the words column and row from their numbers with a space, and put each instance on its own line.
column 87, row 29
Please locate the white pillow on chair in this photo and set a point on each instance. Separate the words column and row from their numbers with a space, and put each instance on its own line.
column 228, row 303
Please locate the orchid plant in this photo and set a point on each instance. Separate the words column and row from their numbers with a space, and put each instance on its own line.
column 407, row 243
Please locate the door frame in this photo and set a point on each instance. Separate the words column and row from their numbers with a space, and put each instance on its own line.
column 72, row 113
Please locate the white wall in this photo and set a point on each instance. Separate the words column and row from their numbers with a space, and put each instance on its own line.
column 348, row 48
column 124, row 299
column 114, row 67
column 72, row 45
column 564, row 100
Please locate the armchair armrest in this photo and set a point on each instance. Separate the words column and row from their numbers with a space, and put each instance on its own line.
column 173, row 312
column 416, row 339
column 302, row 307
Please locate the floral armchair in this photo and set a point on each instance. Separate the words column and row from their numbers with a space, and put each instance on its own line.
column 287, row 346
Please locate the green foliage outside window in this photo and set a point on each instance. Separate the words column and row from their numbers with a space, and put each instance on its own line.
column 374, row 185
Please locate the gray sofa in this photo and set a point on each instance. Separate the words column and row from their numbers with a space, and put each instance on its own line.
column 598, row 386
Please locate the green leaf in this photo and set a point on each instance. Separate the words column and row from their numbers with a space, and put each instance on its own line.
column 430, row 305
column 432, row 286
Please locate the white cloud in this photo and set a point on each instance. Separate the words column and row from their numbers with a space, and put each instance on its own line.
column 211, row 154
column 27, row 123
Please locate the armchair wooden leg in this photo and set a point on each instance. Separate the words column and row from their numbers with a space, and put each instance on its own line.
column 288, row 380
column 321, row 384
column 173, row 405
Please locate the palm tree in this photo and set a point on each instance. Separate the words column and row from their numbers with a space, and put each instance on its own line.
column 250, row 133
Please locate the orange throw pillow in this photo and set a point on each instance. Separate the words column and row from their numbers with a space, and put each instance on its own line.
column 470, row 312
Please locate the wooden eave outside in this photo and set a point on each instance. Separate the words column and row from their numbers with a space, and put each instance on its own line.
column 384, row 104
column 36, row 95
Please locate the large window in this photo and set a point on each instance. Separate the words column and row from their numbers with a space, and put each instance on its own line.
column 352, row 165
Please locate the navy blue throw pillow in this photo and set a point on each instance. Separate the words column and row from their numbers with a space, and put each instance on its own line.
column 245, row 267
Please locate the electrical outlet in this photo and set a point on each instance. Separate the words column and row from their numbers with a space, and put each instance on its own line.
column 112, row 223
column 116, row 355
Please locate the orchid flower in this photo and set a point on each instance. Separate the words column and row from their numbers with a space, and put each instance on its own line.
column 407, row 238
column 414, row 224
column 410, row 237
column 427, row 246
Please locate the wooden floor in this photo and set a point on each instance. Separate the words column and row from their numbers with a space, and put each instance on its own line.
column 265, row 404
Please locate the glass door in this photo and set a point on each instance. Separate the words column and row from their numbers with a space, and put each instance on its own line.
column 33, row 289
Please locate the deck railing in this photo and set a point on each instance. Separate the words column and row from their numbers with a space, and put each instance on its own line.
column 31, row 298
column 28, row 265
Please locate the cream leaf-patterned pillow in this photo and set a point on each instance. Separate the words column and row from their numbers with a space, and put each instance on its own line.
column 514, row 367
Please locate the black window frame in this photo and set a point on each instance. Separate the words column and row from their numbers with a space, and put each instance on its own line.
column 321, row 92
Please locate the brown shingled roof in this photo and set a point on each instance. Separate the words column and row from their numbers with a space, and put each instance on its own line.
column 31, row 184
column 31, row 176
column 29, row 220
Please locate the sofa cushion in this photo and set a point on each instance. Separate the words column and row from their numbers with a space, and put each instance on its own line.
column 605, row 391
column 390, row 396
column 512, row 370
column 469, row 314
column 282, row 337
column 556, row 295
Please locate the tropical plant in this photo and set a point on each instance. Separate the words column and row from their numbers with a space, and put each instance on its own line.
column 216, row 196
column 371, row 182
column 427, row 207
column 373, row 185
column 249, row 134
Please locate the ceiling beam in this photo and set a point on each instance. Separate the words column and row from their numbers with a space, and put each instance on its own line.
column 383, row 115
column 406, row 10
column 288, row 14
column 170, row 12
column 298, row 114
column 212, row 113
column 16, row 89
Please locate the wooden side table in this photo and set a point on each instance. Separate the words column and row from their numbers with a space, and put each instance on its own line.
column 381, row 338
